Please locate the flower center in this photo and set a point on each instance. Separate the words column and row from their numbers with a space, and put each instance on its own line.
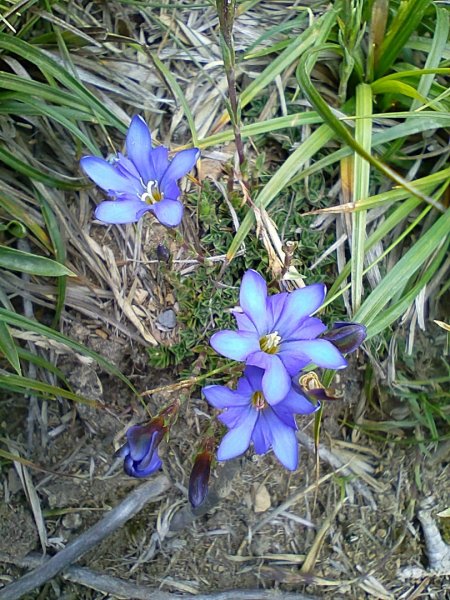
column 258, row 401
column 269, row 343
column 152, row 193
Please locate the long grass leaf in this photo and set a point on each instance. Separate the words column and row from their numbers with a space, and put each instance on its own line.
column 21, row 322
column 8, row 348
column 361, row 176
column 314, row 35
column 289, row 168
column 305, row 65
column 402, row 271
column 25, row 385
column 26, row 262
column 403, row 25
column 52, row 69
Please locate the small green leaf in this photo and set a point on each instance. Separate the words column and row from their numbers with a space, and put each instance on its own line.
column 25, row 262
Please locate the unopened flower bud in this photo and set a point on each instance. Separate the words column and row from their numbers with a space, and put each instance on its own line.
column 199, row 479
column 347, row 337
column 140, row 453
column 162, row 253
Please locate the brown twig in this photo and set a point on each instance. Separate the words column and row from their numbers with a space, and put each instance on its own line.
column 110, row 523
column 132, row 591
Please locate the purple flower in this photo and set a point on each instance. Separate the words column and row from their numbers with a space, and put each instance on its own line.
column 250, row 418
column 278, row 334
column 347, row 337
column 144, row 181
column 140, row 451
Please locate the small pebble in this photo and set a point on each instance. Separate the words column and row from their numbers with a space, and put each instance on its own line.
column 167, row 318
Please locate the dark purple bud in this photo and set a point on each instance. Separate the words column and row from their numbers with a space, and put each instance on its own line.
column 347, row 337
column 140, row 453
column 199, row 479
column 162, row 253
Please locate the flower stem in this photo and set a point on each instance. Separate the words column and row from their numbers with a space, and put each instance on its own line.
column 226, row 11
column 188, row 382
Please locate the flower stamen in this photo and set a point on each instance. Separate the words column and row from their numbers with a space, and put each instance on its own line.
column 152, row 193
column 269, row 343
column 258, row 401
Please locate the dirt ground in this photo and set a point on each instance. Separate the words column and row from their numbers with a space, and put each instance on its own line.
column 342, row 527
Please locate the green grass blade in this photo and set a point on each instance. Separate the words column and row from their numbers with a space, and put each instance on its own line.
column 312, row 36
column 403, row 270
column 260, row 128
column 8, row 348
column 361, row 176
column 41, row 362
column 404, row 24
column 45, row 390
column 305, row 65
column 279, row 180
column 177, row 92
column 394, row 312
column 16, row 320
column 52, row 69
column 21, row 167
column 60, row 254
column 17, row 260
column 440, row 38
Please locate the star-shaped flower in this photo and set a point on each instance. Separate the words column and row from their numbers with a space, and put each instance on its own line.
column 278, row 334
column 144, row 181
column 250, row 418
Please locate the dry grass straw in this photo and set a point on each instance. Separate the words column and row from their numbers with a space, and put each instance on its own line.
column 114, row 60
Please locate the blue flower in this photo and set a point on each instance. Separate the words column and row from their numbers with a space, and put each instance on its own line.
column 250, row 418
column 144, row 181
column 140, row 451
column 277, row 334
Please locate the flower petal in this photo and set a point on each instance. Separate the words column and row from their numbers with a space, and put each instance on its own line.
column 168, row 212
column 291, row 405
column 180, row 165
column 284, row 442
column 160, row 163
column 125, row 167
column 275, row 305
column 261, row 436
column 254, row 377
column 140, row 439
column 299, row 304
column 133, row 468
column 309, row 329
column 139, row 147
column 236, row 441
column 236, row 345
column 320, row 352
column 252, row 299
column 243, row 322
column 234, row 417
column 276, row 382
column 118, row 212
column 293, row 362
column 220, row 396
column 108, row 178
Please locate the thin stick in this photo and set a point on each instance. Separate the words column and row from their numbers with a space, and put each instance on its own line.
column 126, row 589
column 115, row 519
